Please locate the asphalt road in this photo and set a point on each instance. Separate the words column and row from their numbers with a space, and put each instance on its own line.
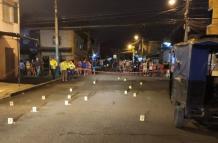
column 109, row 116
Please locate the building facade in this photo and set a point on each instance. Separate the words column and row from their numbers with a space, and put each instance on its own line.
column 212, row 29
column 9, row 39
column 71, row 45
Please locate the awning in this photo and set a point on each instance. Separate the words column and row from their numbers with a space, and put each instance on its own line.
column 16, row 35
column 9, row 34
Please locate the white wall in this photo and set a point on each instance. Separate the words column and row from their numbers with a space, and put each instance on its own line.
column 66, row 37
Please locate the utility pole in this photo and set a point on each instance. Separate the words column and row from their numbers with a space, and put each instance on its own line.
column 56, row 31
column 186, row 18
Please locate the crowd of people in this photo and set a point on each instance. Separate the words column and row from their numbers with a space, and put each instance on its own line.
column 66, row 68
column 30, row 68
column 69, row 68
column 147, row 68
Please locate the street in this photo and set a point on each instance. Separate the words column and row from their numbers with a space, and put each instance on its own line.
column 108, row 115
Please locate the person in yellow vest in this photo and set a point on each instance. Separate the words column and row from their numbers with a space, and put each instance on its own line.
column 63, row 68
column 53, row 66
column 71, row 69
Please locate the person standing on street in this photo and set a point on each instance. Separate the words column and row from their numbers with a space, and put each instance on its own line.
column 145, row 70
column 38, row 67
column 22, row 68
column 28, row 68
column 71, row 67
column 63, row 68
column 84, row 67
column 53, row 67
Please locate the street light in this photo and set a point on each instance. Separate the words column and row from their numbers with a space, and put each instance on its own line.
column 172, row 2
column 129, row 46
column 136, row 37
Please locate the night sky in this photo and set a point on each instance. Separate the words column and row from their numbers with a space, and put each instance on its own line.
column 116, row 21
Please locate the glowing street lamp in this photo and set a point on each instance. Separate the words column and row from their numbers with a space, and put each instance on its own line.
column 129, row 47
column 136, row 37
column 172, row 2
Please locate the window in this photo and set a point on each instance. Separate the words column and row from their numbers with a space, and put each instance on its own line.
column 10, row 12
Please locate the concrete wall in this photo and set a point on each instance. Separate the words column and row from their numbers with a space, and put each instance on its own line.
column 66, row 38
column 212, row 29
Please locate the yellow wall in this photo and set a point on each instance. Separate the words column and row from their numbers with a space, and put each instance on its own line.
column 212, row 29
column 13, row 43
column 9, row 27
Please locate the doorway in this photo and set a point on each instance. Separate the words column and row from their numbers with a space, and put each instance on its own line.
column 9, row 63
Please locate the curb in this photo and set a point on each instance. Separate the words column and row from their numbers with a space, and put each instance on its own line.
column 32, row 88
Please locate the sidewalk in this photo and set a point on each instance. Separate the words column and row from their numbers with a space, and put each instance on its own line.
column 7, row 89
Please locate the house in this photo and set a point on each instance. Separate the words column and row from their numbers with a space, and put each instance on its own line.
column 212, row 29
column 9, row 39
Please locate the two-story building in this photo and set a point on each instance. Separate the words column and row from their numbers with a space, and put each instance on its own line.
column 9, row 38
column 71, row 44
column 212, row 29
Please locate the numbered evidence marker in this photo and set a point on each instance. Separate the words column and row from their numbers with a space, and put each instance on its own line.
column 142, row 118
column 66, row 103
column 43, row 98
column 85, row 98
column 130, row 87
column 11, row 103
column 125, row 92
column 71, row 90
column 94, row 82
column 69, row 96
column 34, row 109
column 11, row 121
column 134, row 94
